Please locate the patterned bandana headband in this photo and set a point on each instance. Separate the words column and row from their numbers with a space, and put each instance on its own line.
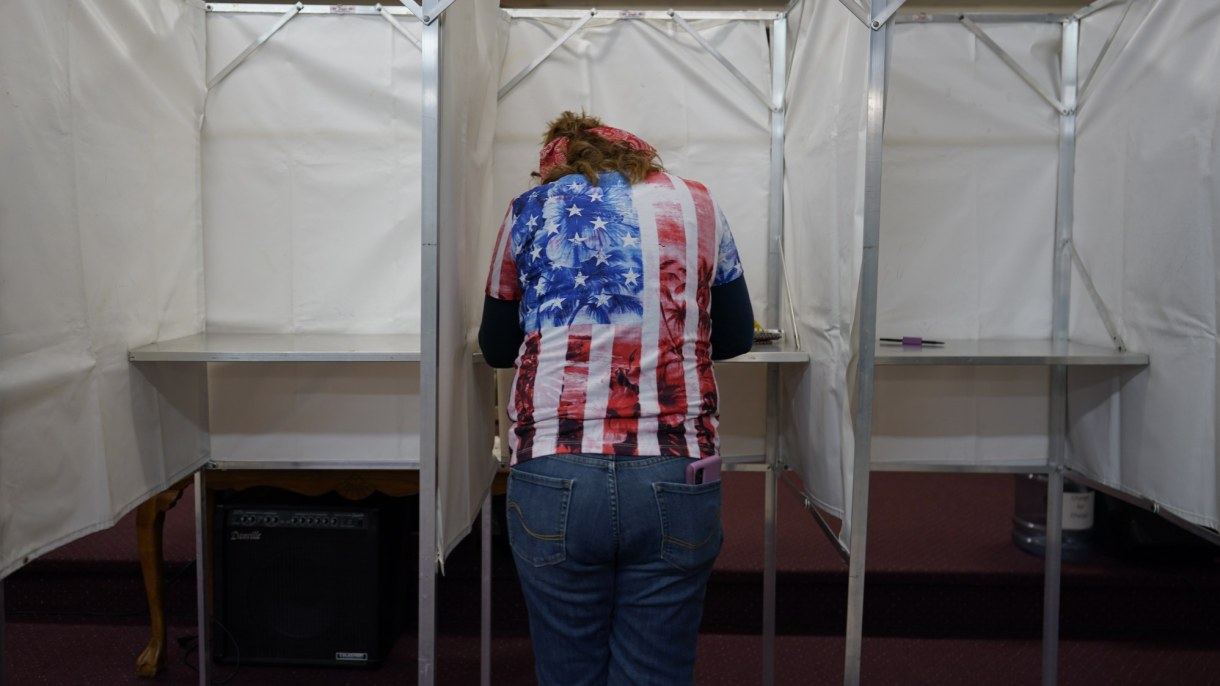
column 555, row 153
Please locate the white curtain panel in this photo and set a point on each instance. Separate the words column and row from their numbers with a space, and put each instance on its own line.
column 652, row 78
column 1147, row 224
column 823, row 227
column 99, row 252
column 311, row 158
column 473, row 37
column 311, row 217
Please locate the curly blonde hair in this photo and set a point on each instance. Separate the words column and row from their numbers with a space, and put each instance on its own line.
column 588, row 153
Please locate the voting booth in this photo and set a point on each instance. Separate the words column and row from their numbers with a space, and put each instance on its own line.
column 241, row 236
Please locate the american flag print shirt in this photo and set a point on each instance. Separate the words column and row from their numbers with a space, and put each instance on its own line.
column 614, row 283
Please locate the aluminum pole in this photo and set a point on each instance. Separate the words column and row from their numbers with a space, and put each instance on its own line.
column 485, row 597
column 202, row 564
column 775, row 277
column 430, row 39
column 3, row 650
column 1060, row 311
column 878, row 64
column 775, row 217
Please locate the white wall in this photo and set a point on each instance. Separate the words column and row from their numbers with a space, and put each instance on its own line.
column 311, row 224
column 967, row 229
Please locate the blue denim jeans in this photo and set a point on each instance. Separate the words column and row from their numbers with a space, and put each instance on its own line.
column 613, row 555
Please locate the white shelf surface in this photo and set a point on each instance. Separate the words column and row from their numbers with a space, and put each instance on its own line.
column 255, row 347
column 250, row 347
column 1006, row 352
column 780, row 351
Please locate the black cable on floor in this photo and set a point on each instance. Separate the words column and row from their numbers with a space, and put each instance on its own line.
column 191, row 645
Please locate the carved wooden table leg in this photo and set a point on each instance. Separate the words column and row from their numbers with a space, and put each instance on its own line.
column 150, row 522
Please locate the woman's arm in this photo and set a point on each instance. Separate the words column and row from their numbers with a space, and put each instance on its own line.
column 500, row 332
column 732, row 320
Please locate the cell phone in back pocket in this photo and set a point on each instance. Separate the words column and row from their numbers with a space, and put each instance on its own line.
column 703, row 471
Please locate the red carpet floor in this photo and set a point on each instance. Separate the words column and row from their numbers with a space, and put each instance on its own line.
column 950, row 601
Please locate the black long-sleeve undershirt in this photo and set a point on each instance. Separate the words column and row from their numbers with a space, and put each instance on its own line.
column 732, row 320
column 500, row 332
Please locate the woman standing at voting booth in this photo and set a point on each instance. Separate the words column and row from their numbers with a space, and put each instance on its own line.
column 613, row 286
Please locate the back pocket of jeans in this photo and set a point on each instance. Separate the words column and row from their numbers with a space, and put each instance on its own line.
column 537, row 513
column 690, row 523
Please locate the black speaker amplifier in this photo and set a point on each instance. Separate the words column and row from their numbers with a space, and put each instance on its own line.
column 304, row 585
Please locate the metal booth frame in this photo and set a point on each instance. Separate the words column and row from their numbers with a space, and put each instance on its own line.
column 411, row 349
column 879, row 17
column 1058, row 354
column 424, row 349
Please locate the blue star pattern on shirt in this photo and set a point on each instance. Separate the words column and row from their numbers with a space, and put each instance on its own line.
column 728, row 263
column 577, row 250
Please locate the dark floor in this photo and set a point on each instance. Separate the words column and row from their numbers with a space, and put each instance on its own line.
column 949, row 601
